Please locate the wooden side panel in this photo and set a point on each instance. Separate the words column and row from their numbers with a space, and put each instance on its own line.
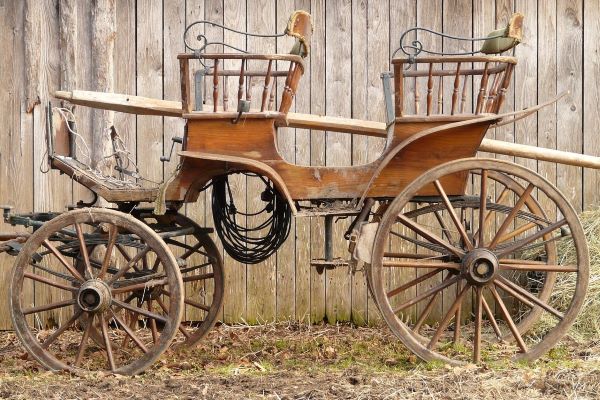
column 125, row 73
column 430, row 13
column 403, row 15
column 236, row 278
column 150, row 84
column 286, row 141
column 302, row 239
column 261, row 279
column 360, row 144
column 525, row 78
column 591, row 93
column 569, row 32
column 338, row 145
column 16, row 141
column 317, row 150
column 200, row 211
column 342, row 78
column 547, row 85
column 84, row 77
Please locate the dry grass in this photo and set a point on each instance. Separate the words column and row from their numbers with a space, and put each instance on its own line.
column 587, row 325
column 295, row 361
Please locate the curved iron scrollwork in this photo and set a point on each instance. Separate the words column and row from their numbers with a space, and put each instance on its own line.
column 415, row 48
column 204, row 42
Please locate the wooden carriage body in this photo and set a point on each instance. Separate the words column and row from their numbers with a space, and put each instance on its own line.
column 219, row 141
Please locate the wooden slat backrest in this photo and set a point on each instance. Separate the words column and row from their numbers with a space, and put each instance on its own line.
column 263, row 75
column 458, row 73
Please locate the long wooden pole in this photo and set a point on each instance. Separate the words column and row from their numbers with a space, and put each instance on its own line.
column 143, row 105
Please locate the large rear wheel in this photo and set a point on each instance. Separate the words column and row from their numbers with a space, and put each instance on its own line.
column 478, row 268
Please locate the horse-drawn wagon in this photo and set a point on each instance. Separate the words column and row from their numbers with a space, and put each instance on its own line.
column 480, row 240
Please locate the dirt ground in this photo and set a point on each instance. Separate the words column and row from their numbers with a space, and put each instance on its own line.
column 290, row 361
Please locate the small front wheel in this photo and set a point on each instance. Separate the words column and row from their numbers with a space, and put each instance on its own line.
column 87, row 269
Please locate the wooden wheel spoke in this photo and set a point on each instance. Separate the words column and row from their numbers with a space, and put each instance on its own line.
column 107, row 343
column 189, row 302
column 142, row 285
column 478, row 322
column 123, row 251
column 516, row 232
column 153, row 327
column 140, row 311
column 529, row 265
column 421, row 264
column 191, row 250
column 449, row 315
column 414, row 256
column 156, row 264
column 193, row 268
column 62, row 329
column 412, row 283
column 482, row 207
column 130, row 333
column 126, row 256
column 130, row 264
column 48, row 281
column 193, row 278
column 112, row 239
column 84, row 340
column 507, row 318
column 453, row 216
column 511, row 216
column 444, row 284
column 84, row 250
column 445, row 229
column 491, row 317
column 425, row 313
column 489, row 215
column 430, row 236
column 457, row 315
column 164, row 308
column 504, row 283
column 525, row 241
column 48, row 307
column 63, row 260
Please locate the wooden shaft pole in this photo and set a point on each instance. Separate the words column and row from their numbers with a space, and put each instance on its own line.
column 539, row 153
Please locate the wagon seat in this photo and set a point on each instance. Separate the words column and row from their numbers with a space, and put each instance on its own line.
column 242, row 84
column 442, row 88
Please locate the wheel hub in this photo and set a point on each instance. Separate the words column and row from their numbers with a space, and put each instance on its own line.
column 94, row 296
column 480, row 266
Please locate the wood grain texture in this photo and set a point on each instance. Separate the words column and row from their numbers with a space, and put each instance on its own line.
column 150, row 70
column 302, row 242
column 103, row 57
column 234, row 15
column 318, row 96
column 262, row 277
column 547, row 85
column 285, row 278
column 569, row 122
column 16, row 144
column 338, row 86
column 360, row 144
column 591, row 93
column 60, row 57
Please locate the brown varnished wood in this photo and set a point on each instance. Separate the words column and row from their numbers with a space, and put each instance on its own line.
column 251, row 145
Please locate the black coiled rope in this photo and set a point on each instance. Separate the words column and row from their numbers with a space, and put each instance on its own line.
column 250, row 244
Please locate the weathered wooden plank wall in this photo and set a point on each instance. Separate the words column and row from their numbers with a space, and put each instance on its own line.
column 48, row 45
